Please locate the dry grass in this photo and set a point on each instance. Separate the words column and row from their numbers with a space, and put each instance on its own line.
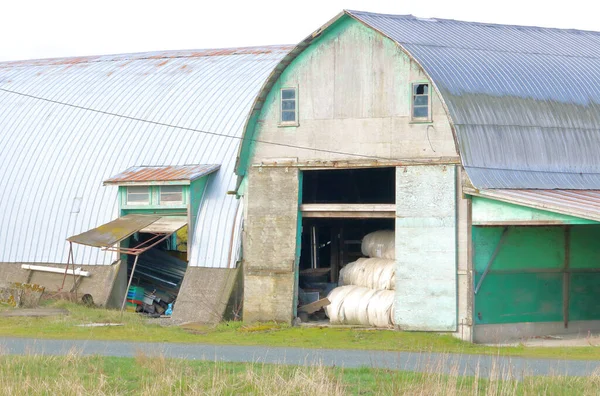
column 74, row 374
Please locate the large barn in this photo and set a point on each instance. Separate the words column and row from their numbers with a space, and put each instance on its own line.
column 476, row 143
column 86, row 141
column 473, row 144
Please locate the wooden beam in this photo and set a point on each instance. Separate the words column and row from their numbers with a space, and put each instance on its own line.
column 348, row 210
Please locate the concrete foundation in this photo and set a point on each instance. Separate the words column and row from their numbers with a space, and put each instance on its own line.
column 270, row 249
column 98, row 284
column 208, row 295
column 502, row 333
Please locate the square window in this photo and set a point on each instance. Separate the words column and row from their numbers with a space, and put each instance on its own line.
column 289, row 106
column 420, row 102
column 138, row 195
column 171, row 195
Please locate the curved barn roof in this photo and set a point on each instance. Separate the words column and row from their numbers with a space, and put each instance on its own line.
column 69, row 124
column 524, row 102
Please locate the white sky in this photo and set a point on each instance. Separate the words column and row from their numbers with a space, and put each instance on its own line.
column 56, row 28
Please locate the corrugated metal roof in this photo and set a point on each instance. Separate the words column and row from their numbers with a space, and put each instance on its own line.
column 141, row 174
column 114, row 231
column 55, row 157
column 524, row 101
column 579, row 203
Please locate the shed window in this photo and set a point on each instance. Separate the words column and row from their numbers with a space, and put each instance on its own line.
column 289, row 106
column 420, row 102
column 171, row 195
column 138, row 195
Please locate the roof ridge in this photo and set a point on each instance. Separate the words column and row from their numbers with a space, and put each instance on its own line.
column 488, row 24
column 164, row 54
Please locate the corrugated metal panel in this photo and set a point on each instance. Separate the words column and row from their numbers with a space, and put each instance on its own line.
column 114, row 231
column 55, row 157
column 525, row 101
column 584, row 204
column 162, row 173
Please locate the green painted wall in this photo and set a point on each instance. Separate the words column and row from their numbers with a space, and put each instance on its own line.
column 486, row 210
column 526, row 280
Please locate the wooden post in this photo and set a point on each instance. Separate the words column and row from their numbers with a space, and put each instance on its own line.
column 129, row 284
column 567, row 276
column 334, row 262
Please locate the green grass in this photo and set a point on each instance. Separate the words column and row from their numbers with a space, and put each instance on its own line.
column 270, row 334
column 75, row 374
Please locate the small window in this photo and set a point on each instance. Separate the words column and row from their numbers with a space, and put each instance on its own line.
column 420, row 102
column 138, row 195
column 289, row 106
column 171, row 195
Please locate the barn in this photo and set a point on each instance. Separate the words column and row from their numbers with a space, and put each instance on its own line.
column 475, row 143
column 127, row 154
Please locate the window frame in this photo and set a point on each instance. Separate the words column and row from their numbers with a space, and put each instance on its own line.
column 412, row 95
column 296, row 113
column 171, row 203
column 130, row 203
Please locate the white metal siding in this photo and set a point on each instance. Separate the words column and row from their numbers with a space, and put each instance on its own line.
column 52, row 154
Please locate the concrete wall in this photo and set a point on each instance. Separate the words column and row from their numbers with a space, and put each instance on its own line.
column 426, row 248
column 205, row 295
column 354, row 97
column 99, row 284
column 270, row 244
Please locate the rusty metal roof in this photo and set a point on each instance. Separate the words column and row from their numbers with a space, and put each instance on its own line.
column 524, row 101
column 55, row 156
column 579, row 203
column 146, row 174
column 113, row 232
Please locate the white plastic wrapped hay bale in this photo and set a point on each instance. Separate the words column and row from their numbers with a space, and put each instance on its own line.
column 361, row 306
column 379, row 244
column 374, row 273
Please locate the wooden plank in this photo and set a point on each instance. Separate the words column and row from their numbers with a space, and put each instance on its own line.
column 567, row 276
column 348, row 208
column 349, row 215
column 314, row 306
column 166, row 225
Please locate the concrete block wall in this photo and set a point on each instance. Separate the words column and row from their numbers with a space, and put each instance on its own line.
column 98, row 285
column 270, row 244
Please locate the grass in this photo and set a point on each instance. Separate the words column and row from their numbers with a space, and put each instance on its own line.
column 74, row 374
column 135, row 328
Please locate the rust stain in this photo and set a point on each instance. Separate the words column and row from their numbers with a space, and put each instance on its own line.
column 165, row 55
column 163, row 63
column 162, row 173
column 109, row 74
column 183, row 67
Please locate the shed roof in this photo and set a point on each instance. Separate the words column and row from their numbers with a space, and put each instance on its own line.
column 146, row 174
column 69, row 124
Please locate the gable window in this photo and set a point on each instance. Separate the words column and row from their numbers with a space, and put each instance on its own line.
column 171, row 195
column 420, row 102
column 289, row 106
column 138, row 195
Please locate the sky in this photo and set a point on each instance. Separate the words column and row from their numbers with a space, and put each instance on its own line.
column 59, row 28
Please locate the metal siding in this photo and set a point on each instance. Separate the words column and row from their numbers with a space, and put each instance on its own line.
column 525, row 101
column 52, row 153
column 426, row 290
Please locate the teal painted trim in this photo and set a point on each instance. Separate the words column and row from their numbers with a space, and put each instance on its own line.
column 485, row 210
column 162, row 212
column 298, row 245
column 243, row 187
column 248, row 144
column 154, row 199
